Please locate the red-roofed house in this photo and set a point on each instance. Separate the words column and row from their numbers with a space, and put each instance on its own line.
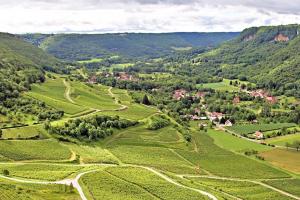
column 215, row 115
column 271, row 100
column 179, row 94
column 228, row 123
column 236, row 100
column 200, row 94
column 259, row 135
column 92, row 80
column 258, row 93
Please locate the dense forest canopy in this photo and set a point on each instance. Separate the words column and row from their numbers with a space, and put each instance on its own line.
column 131, row 45
column 268, row 56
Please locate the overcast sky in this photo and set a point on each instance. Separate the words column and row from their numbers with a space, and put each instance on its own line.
column 101, row 16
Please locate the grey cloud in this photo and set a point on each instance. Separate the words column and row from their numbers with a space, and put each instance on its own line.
column 278, row 6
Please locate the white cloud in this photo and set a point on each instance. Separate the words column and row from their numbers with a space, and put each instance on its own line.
column 94, row 16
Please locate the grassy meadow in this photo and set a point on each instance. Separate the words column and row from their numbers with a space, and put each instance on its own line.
column 233, row 143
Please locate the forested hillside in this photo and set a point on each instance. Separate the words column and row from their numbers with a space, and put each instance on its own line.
column 268, row 56
column 21, row 64
column 132, row 45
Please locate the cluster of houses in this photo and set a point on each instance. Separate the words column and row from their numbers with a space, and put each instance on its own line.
column 124, row 77
column 264, row 95
column 119, row 76
column 181, row 93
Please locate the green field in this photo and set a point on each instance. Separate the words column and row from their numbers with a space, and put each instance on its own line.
column 224, row 163
column 220, row 86
column 52, row 93
column 240, row 189
column 289, row 185
column 156, row 75
column 282, row 140
column 34, row 150
column 81, row 96
column 90, row 154
column 233, row 143
column 40, row 171
column 133, row 183
column 251, row 128
column 94, row 96
column 93, row 60
column 283, row 158
column 133, row 112
column 11, row 191
column 24, row 132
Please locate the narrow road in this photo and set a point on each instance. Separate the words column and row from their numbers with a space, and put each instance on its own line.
column 245, row 180
column 76, row 184
column 68, row 91
column 168, row 179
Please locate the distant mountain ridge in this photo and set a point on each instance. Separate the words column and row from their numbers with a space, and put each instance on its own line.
column 269, row 56
column 131, row 45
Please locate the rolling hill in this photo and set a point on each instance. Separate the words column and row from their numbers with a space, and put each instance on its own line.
column 268, row 56
column 21, row 64
column 131, row 45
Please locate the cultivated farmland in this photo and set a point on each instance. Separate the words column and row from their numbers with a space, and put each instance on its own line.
column 251, row 128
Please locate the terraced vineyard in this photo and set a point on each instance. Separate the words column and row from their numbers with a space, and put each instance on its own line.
column 134, row 163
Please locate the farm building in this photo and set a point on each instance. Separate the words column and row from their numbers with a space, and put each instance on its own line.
column 200, row 95
column 259, row 93
column 259, row 135
column 228, row 123
column 271, row 100
column 215, row 115
column 179, row 94
column 92, row 79
column 236, row 100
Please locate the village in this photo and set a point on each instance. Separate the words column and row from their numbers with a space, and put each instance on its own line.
column 219, row 119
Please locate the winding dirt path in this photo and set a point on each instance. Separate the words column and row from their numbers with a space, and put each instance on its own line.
column 123, row 107
column 168, row 179
column 75, row 181
column 68, row 91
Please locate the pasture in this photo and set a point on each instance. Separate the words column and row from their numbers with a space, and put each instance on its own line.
column 251, row 128
column 220, row 86
column 286, row 159
column 233, row 143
